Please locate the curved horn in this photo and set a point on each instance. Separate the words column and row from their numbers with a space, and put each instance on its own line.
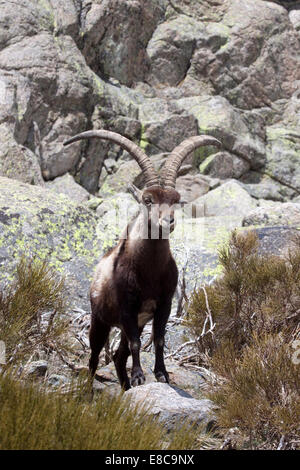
column 180, row 152
column 151, row 178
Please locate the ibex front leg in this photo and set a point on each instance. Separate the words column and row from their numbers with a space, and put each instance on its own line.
column 159, row 328
column 132, row 332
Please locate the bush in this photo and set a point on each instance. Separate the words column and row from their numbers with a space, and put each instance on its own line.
column 253, row 313
column 34, row 419
column 32, row 312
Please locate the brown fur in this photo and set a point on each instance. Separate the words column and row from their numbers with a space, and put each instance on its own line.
column 134, row 283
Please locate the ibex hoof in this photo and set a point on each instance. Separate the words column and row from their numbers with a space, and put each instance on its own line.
column 137, row 378
column 161, row 377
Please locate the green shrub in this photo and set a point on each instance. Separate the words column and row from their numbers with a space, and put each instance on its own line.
column 254, row 308
column 34, row 419
column 32, row 312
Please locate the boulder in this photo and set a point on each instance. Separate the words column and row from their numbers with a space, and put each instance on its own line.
column 283, row 154
column 36, row 369
column 278, row 214
column 171, row 406
column 224, row 165
column 262, row 186
column 121, row 30
column 68, row 186
column 190, row 187
column 294, row 16
column 259, row 63
column 229, row 199
column 171, row 48
column 18, row 161
column 37, row 222
column 216, row 116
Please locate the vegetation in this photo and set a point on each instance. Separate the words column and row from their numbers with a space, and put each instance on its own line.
column 31, row 418
column 32, row 312
column 33, row 319
column 252, row 312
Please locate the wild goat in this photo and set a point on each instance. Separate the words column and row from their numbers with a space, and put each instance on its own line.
column 136, row 280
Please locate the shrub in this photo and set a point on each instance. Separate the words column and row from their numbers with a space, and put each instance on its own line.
column 34, row 419
column 253, row 311
column 32, row 312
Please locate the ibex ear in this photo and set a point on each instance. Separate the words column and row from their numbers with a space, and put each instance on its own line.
column 136, row 193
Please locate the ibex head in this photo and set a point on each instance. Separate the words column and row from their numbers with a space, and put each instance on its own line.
column 159, row 195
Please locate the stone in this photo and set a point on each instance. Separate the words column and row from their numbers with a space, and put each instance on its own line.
column 170, row 405
column 216, row 116
column 171, row 48
column 36, row 368
column 294, row 16
column 56, row 380
column 283, row 154
column 262, row 186
column 224, row 165
column 190, row 187
column 228, row 200
column 37, row 222
column 67, row 185
column 119, row 29
column 18, row 161
column 259, row 63
column 279, row 214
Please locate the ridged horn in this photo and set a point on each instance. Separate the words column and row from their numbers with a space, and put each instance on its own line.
column 177, row 156
column 151, row 177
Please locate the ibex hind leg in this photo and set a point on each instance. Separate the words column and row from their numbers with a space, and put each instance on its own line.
column 99, row 333
column 120, row 360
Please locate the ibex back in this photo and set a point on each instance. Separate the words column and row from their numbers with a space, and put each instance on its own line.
column 136, row 280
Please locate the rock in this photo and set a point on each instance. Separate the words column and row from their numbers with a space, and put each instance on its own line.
column 65, row 17
column 56, row 380
column 262, row 186
column 17, row 161
column 38, row 222
column 170, row 405
column 68, row 186
column 36, row 368
column 224, row 165
column 283, row 153
column 128, row 172
column 171, row 48
column 165, row 125
column 279, row 214
column 120, row 30
column 217, row 117
column 191, row 187
column 45, row 104
column 229, row 199
column 275, row 240
column 294, row 16
column 259, row 62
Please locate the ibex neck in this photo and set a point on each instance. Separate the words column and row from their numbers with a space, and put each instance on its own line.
column 143, row 249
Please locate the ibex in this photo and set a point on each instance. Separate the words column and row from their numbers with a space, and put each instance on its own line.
column 135, row 281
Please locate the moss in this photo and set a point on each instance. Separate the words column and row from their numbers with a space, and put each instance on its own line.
column 143, row 141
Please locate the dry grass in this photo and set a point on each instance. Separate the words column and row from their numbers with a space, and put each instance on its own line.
column 32, row 312
column 34, row 419
column 255, row 306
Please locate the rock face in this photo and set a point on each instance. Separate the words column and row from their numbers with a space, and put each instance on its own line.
column 157, row 72
column 171, row 405
column 37, row 222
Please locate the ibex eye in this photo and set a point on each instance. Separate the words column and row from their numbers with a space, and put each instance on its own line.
column 148, row 201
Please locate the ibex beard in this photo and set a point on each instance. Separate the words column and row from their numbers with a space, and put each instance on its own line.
column 135, row 281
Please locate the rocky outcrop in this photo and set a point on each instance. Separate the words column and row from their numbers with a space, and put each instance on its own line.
column 157, row 72
column 171, row 406
column 41, row 223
